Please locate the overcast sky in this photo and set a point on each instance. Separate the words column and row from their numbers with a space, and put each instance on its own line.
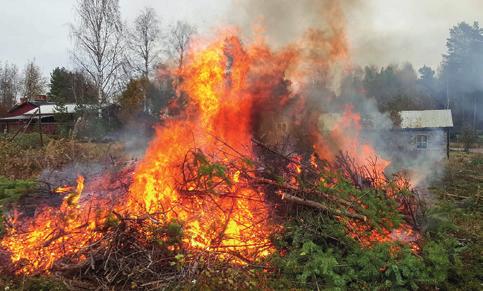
column 380, row 32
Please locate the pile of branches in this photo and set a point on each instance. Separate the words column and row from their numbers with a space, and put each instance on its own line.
column 295, row 178
column 140, row 253
column 147, row 253
column 132, row 253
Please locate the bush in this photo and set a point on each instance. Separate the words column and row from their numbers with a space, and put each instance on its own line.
column 468, row 138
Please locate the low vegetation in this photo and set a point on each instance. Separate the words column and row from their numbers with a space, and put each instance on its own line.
column 459, row 209
column 24, row 157
column 10, row 191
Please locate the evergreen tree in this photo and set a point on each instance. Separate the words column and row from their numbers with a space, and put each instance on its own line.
column 60, row 90
column 71, row 87
column 462, row 69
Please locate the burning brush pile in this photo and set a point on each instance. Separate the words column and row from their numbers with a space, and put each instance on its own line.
column 224, row 184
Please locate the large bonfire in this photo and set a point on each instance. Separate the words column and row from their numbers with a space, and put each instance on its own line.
column 212, row 180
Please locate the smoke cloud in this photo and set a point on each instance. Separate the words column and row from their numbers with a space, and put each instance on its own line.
column 321, row 32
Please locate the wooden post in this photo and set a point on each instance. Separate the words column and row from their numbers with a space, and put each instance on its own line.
column 25, row 127
column 447, row 143
column 40, row 128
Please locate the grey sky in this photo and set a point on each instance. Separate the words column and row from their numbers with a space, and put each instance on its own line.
column 380, row 31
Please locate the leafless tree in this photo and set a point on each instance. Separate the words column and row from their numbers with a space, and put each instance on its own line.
column 99, row 43
column 9, row 85
column 144, row 41
column 178, row 42
column 33, row 82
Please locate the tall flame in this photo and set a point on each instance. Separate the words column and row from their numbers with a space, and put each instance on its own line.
column 219, row 110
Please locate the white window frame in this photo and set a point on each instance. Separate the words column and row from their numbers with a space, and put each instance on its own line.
column 422, row 141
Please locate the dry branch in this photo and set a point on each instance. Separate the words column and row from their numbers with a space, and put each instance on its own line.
column 313, row 204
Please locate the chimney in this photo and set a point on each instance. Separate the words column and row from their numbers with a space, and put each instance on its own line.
column 40, row 98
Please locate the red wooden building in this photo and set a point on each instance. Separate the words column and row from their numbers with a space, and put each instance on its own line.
column 27, row 115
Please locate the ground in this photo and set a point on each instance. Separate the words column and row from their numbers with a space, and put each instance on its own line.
column 459, row 195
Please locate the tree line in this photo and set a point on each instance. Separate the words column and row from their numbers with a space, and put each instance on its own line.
column 457, row 84
column 127, row 64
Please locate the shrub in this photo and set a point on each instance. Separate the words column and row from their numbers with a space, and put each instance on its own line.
column 468, row 138
column 318, row 254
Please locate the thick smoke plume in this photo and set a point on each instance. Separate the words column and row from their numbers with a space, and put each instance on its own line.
column 325, row 76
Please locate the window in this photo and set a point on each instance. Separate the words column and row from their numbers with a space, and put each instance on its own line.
column 421, row 141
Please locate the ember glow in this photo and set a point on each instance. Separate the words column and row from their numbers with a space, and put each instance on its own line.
column 235, row 93
column 37, row 243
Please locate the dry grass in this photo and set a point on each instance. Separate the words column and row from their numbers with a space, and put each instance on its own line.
column 18, row 161
column 464, row 176
column 460, row 199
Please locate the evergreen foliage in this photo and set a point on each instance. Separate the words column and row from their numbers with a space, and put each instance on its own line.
column 71, row 87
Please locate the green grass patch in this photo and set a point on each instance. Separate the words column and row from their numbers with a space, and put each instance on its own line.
column 11, row 191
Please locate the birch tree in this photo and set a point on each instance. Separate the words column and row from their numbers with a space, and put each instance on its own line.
column 178, row 41
column 99, row 45
column 144, row 40
column 9, row 85
column 33, row 83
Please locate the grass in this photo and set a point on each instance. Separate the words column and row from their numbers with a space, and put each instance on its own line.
column 11, row 191
column 24, row 158
column 460, row 200
column 32, row 284
column 463, row 178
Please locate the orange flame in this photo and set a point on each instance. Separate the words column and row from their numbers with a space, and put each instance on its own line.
column 51, row 234
column 232, row 222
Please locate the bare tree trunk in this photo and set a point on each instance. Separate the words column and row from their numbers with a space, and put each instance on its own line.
column 474, row 112
column 144, row 40
column 40, row 128
column 178, row 42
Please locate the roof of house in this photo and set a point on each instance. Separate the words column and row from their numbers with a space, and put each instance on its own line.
column 23, row 107
column 426, row 119
column 46, row 110
column 49, row 109
column 413, row 119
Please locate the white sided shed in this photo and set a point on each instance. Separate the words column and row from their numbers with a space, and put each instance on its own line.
column 426, row 130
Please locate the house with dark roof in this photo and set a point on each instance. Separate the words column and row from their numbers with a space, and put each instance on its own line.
column 27, row 116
